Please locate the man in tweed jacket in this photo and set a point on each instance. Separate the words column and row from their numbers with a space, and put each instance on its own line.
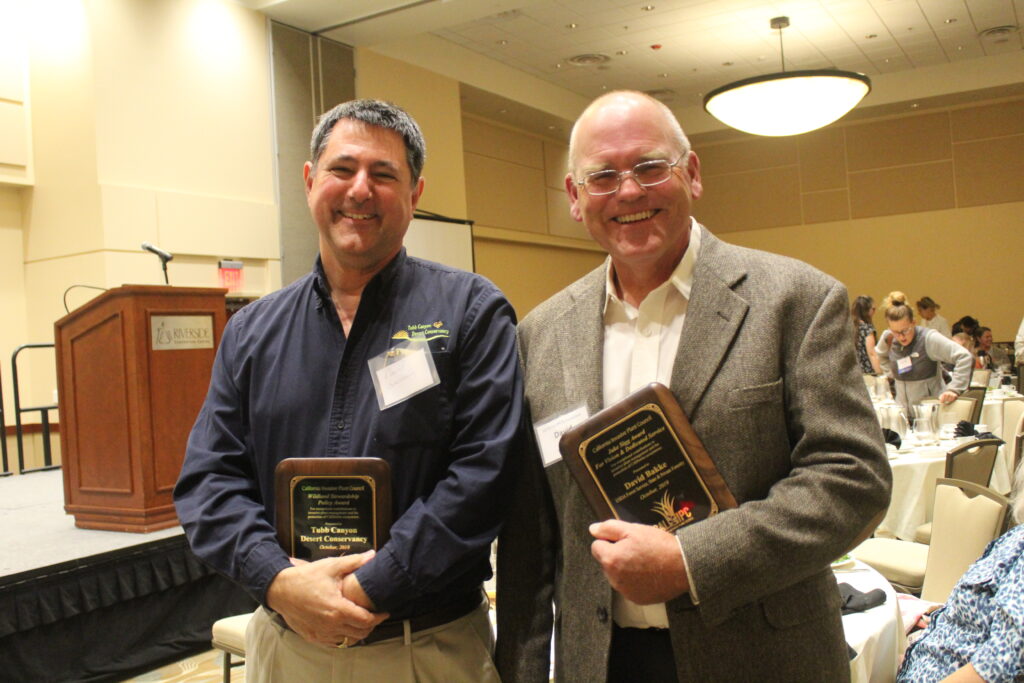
column 757, row 350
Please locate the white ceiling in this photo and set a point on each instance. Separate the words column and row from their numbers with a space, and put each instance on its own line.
column 701, row 44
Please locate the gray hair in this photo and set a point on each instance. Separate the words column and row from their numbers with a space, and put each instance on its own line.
column 678, row 136
column 373, row 113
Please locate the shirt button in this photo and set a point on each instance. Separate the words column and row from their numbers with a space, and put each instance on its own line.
column 341, row 425
column 602, row 614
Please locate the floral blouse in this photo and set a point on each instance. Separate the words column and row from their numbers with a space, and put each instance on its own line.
column 863, row 330
column 982, row 623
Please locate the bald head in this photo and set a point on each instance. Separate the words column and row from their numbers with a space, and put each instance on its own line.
column 623, row 101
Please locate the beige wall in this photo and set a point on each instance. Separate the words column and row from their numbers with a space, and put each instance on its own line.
column 151, row 121
column 930, row 203
column 433, row 101
column 525, row 239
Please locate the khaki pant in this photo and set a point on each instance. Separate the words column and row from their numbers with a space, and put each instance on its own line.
column 457, row 651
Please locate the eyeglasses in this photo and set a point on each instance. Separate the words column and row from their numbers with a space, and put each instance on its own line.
column 646, row 174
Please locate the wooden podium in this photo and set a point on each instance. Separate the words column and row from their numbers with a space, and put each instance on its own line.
column 133, row 368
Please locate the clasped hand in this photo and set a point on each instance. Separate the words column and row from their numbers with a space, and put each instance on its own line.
column 643, row 563
column 323, row 601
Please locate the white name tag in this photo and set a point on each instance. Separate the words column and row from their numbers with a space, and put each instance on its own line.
column 402, row 372
column 550, row 431
column 904, row 364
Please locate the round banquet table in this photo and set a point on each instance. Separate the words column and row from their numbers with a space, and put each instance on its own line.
column 914, row 472
column 876, row 634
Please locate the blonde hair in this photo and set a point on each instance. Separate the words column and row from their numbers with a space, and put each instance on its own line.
column 892, row 299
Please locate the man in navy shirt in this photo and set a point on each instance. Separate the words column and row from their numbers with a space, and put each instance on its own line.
column 295, row 377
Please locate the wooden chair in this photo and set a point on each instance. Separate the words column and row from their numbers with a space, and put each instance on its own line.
column 960, row 409
column 229, row 637
column 1018, row 443
column 978, row 394
column 980, row 378
column 1013, row 411
column 973, row 461
column 967, row 517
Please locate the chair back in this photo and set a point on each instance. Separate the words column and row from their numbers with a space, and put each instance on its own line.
column 1013, row 408
column 966, row 518
column 978, row 394
column 960, row 409
column 973, row 461
column 980, row 378
column 1018, row 442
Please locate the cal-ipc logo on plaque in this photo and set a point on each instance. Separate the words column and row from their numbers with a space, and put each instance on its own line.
column 327, row 507
column 639, row 460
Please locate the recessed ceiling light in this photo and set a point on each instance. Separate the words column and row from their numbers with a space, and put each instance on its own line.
column 871, row 36
column 648, row 8
column 915, row 105
column 998, row 34
column 572, row 25
column 622, row 52
column 726, row 63
column 503, row 111
column 502, row 42
column 951, row 20
column 589, row 59
column 662, row 75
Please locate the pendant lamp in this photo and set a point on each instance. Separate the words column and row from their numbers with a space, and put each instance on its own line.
column 789, row 102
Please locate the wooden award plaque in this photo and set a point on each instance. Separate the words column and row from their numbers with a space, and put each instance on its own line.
column 328, row 507
column 640, row 461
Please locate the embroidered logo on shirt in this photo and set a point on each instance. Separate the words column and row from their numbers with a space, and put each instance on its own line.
column 427, row 331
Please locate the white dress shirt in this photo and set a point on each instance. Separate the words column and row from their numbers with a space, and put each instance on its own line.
column 640, row 345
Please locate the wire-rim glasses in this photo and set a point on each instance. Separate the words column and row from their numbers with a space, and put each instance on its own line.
column 646, row 174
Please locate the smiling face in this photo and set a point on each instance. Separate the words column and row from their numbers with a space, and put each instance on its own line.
column 361, row 195
column 985, row 341
column 641, row 227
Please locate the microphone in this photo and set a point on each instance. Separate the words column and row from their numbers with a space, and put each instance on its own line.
column 164, row 255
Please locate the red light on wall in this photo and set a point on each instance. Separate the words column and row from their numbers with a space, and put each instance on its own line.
column 231, row 276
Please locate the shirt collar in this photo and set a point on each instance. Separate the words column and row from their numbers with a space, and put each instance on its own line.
column 323, row 288
column 681, row 278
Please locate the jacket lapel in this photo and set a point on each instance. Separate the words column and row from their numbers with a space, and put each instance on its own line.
column 582, row 343
column 714, row 315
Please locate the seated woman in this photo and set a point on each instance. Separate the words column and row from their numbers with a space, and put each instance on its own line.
column 967, row 341
column 864, row 335
column 912, row 355
column 991, row 357
column 979, row 634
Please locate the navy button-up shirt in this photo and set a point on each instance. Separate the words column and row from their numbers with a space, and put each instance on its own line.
column 288, row 383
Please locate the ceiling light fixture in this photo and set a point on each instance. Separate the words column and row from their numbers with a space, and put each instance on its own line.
column 788, row 102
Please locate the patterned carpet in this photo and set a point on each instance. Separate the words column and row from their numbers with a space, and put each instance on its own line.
column 202, row 668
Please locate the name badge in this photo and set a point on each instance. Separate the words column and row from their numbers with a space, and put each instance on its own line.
column 903, row 365
column 402, row 372
column 550, row 431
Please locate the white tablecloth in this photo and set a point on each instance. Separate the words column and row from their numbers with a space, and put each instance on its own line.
column 913, row 489
column 876, row 634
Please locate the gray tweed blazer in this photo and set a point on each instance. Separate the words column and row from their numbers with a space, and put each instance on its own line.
column 767, row 374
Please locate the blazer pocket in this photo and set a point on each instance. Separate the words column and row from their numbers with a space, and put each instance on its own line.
column 747, row 397
column 814, row 598
column 759, row 415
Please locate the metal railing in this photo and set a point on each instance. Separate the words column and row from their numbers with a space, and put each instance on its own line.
column 44, row 416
